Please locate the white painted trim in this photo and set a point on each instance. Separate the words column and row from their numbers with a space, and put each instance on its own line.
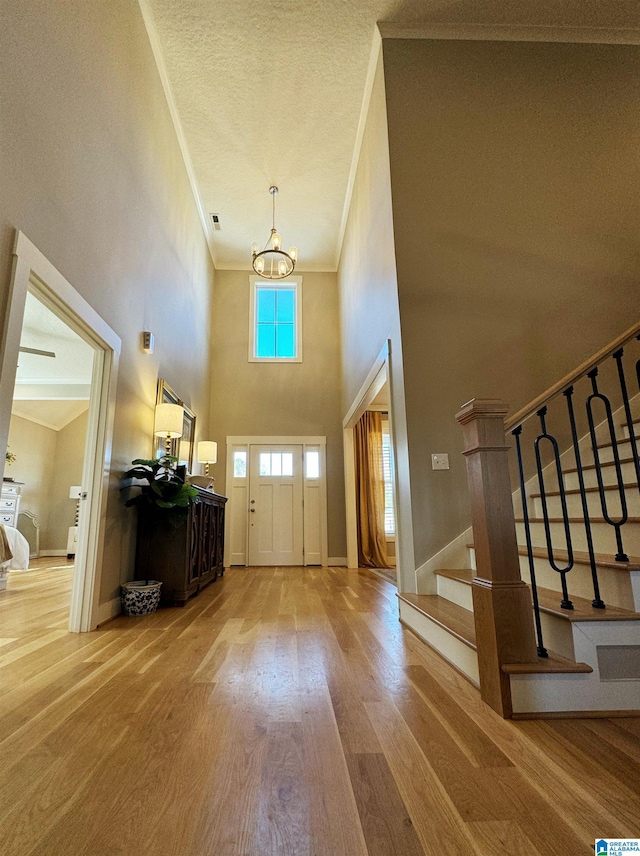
column 254, row 282
column 33, row 272
column 450, row 648
column 43, row 554
column 512, row 33
column 248, row 441
column 374, row 54
column 154, row 40
column 300, row 267
column 231, row 447
column 244, row 440
column 454, row 555
column 373, row 383
column 109, row 610
column 337, row 561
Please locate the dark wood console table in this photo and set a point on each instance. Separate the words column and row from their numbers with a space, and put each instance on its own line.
column 186, row 558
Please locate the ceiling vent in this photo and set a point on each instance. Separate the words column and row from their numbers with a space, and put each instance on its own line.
column 216, row 222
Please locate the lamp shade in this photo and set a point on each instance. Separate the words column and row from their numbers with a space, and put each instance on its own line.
column 207, row 452
column 169, row 419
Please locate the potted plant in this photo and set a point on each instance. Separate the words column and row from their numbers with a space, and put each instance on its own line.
column 166, row 494
column 163, row 504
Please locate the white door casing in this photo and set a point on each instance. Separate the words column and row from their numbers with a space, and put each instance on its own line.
column 275, row 505
column 313, row 502
column 33, row 272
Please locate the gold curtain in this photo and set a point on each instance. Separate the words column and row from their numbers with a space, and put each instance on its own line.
column 372, row 542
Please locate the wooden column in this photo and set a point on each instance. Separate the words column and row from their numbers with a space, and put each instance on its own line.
column 501, row 600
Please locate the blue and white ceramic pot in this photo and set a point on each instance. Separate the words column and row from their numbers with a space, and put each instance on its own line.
column 140, row 597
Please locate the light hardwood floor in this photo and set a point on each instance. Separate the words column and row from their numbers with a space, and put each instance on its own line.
column 282, row 711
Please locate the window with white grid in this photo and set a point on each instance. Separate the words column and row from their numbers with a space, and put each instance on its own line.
column 389, row 511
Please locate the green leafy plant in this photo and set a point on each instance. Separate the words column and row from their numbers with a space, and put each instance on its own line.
column 9, row 457
column 165, row 494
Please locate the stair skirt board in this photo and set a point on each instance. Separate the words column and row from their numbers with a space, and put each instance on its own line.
column 450, row 648
column 553, row 693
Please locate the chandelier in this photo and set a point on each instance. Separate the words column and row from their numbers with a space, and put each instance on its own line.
column 273, row 262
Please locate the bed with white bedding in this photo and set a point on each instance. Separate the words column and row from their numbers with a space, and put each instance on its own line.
column 19, row 546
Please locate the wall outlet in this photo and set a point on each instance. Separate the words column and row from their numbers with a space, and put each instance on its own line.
column 440, row 462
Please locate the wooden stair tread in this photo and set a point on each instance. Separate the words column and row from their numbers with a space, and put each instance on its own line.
column 619, row 441
column 602, row 465
column 573, row 520
column 582, row 558
column 549, row 600
column 453, row 618
column 576, row 490
column 463, row 575
column 553, row 664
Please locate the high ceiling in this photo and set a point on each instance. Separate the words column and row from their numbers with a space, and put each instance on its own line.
column 272, row 92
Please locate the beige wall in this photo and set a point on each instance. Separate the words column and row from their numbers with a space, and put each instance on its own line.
column 369, row 300
column 514, row 170
column 69, row 461
column 48, row 462
column 92, row 173
column 35, row 449
column 280, row 399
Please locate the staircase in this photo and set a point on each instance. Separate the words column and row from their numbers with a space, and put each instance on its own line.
column 589, row 655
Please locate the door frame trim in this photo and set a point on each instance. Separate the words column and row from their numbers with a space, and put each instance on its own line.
column 261, row 440
column 32, row 272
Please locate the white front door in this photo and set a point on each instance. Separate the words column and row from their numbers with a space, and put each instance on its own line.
column 275, row 505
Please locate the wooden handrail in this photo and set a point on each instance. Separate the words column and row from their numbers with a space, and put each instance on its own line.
column 559, row 387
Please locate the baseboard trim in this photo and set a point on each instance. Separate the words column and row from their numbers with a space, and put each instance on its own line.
column 43, row 554
column 576, row 714
column 337, row 561
column 107, row 611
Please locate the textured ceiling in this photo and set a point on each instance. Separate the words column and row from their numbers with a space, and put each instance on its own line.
column 271, row 93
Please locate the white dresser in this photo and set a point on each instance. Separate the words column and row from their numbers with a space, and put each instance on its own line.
column 10, row 503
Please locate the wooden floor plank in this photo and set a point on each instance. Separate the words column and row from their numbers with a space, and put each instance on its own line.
column 387, row 827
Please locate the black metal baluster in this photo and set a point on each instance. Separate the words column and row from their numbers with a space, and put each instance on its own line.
column 597, row 602
column 627, row 411
column 566, row 602
column 621, row 556
column 542, row 651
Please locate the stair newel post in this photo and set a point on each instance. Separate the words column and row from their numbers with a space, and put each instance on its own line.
column 501, row 599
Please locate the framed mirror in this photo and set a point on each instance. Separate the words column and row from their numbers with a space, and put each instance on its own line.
column 183, row 447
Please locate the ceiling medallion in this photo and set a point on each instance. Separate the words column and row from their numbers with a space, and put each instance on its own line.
column 273, row 262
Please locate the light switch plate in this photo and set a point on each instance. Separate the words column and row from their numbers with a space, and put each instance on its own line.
column 440, row 462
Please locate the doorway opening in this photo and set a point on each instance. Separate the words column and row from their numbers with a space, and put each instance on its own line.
column 42, row 486
column 277, row 509
column 57, row 383
column 370, row 476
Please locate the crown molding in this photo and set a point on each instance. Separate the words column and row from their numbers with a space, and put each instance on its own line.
column 154, row 40
column 511, row 33
column 245, row 266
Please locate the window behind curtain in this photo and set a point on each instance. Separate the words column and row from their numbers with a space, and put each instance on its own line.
column 389, row 511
